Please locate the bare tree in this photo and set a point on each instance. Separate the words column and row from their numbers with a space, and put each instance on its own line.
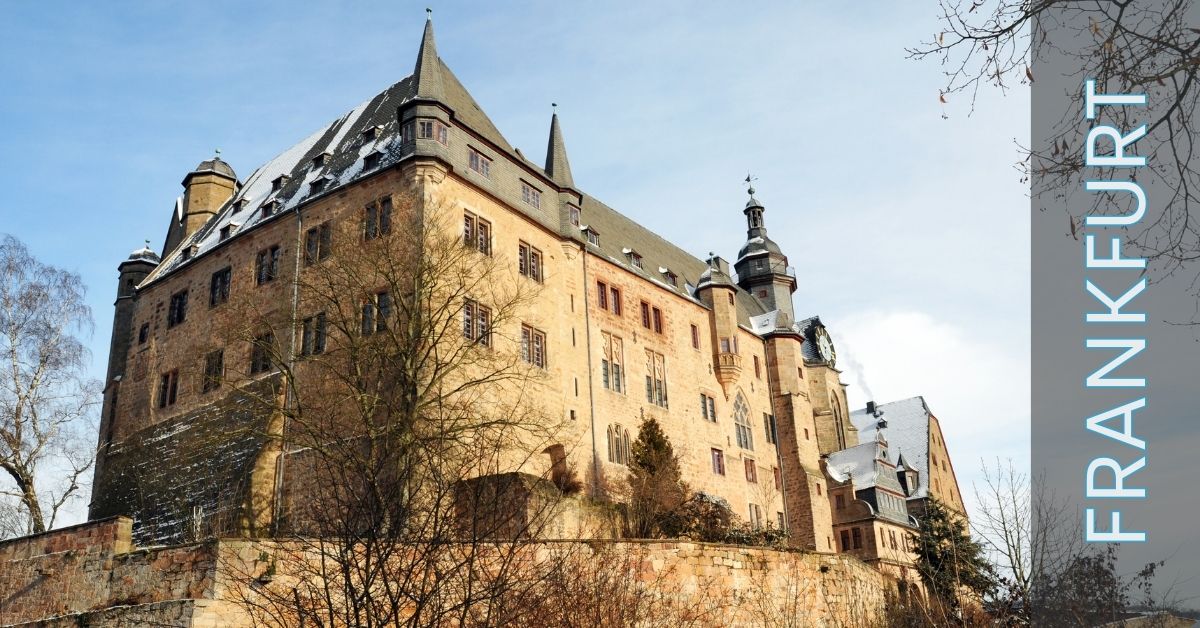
column 1127, row 47
column 46, row 398
column 406, row 398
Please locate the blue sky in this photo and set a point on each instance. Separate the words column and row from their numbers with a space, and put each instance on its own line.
column 910, row 231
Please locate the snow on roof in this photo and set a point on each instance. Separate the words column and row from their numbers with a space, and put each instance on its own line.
column 907, row 433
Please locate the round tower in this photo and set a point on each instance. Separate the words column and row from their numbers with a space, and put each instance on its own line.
column 762, row 268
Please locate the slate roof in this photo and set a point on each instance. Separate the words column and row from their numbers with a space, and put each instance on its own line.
column 808, row 327
column 907, row 433
column 346, row 148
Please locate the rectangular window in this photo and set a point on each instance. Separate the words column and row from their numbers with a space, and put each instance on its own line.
column 533, row 346
column 615, row 299
column 656, row 314
column 656, row 378
column 574, row 216
column 757, row 371
column 479, row 163
column 168, row 388
column 857, row 534
column 214, row 370
column 751, row 471
column 144, row 333
column 377, row 218
column 612, row 364
column 645, row 307
column 375, row 311
column 845, row 540
column 778, row 478
column 178, row 310
column 218, row 287
column 260, row 353
column 602, row 295
column 313, row 333
column 635, row 259
column 477, row 233
column 718, row 461
column 695, row 337
column 529, row 261
column 317, row 243
column 755, row 516
column 477, row 323
column 839, row 502
column 769, row 428
column 531, row 195
column 745, row 438
column 725, row 345
column 708, row 408
column 266, row 265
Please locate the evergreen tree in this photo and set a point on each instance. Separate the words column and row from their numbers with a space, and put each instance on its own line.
column 656, row 487
column 948, row 559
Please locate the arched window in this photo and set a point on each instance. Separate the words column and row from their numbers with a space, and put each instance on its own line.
column 618, row 444
column 741, row 419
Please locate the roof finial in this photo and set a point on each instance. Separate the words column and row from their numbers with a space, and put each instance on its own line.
column 750, row 184
column 216, row 153
column 429, row 14
column 554, row 107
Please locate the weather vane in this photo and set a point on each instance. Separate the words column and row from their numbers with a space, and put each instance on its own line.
column 750, row 184
column 218, row 152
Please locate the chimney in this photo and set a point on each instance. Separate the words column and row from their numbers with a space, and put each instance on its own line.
column 871, row 408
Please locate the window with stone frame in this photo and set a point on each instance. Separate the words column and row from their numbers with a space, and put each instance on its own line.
column 741, row 421
column 751, row 470
column 695, row 337
column 708, row 407
column 266, row 265
column 261, row 351
column 177, row 312
column 602, row 295
column 143, row 333
column 479, row 162
column 477, row 323
column 769, row 428
column 377, row 218
column 168, row 388
column 718, row 461
column 618, row 444
column 477, row 233
column 218, row 286
column 573, row 215
column 612, row 363
column 376, row 310
column 533, row 346
column 756, row 520
column 214, row 370
column 531, row 195
column 778, row 475
column 856, row 534
column 529, row 261
column 845, row 538
column 614, row 300
column 318, row 243
column 313, row 335
column 656, row 378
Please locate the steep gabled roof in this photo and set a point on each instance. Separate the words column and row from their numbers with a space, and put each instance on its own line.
column 907, row 433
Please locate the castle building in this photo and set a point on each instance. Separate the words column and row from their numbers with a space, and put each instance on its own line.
column 750, row 397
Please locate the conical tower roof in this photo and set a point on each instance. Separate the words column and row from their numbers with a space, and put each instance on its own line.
column 557, row 164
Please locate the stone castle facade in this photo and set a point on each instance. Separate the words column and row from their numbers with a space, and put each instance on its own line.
column 627, row 325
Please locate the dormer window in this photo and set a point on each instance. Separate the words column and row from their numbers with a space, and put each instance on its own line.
column 370, row 134
column 593, row 236
column 372, row 160
column 278, row 183
column 531, row 195
column 320, row 160
column 190, row 252
column 269, row 208
column 479, row 163
column 574, row 215
column 320, row 183
column 241, row 204
column 670, row 277
column 226, row 231
column 634, row 258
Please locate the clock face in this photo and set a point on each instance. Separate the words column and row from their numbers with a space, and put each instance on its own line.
column 825, row 346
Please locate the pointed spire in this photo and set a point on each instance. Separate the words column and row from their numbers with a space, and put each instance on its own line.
column 427, row 76
column 557, row 165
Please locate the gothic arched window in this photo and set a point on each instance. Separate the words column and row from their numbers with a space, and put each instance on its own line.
column 741, row 420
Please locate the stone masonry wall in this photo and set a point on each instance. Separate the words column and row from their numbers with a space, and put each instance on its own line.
column 91, row 575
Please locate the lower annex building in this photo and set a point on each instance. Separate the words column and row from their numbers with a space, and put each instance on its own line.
column 627, row 325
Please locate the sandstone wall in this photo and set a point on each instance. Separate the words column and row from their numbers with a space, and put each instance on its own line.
column 91, row 575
